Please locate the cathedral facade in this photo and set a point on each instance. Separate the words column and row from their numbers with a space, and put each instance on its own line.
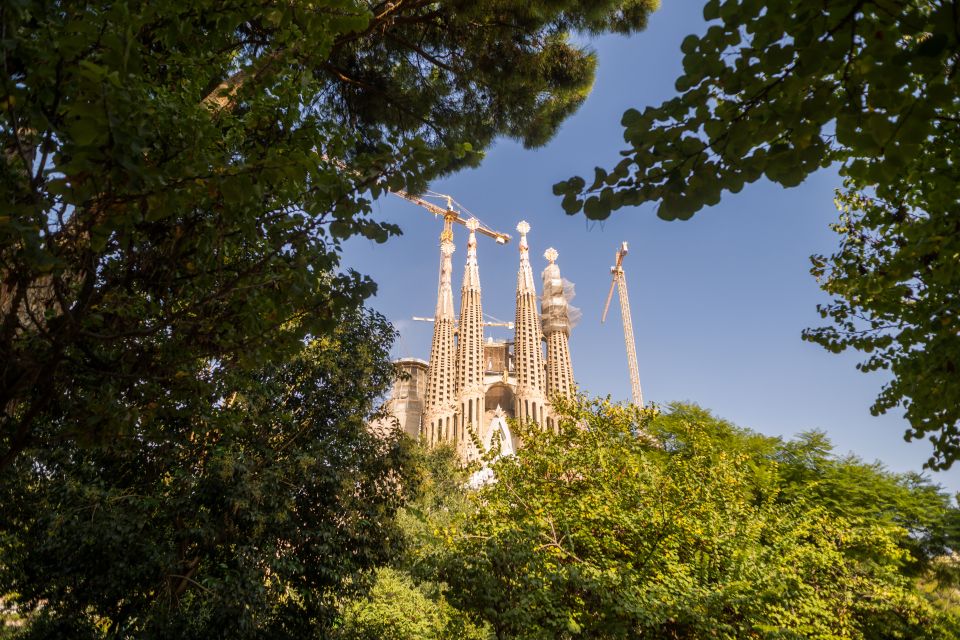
column 471, row 386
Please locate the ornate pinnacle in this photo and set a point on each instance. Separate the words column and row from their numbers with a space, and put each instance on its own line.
column 551, row 255
column 524, row 228
column 447, row 248
column 473, row 224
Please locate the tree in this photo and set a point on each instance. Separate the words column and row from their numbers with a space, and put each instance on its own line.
column 408, row 600
column 706, row 531
column 895, row 280
column 781, row 89
column 178, row 177
column 400, row 607
column 855, row 490
column 847, row 487
column 253, row 516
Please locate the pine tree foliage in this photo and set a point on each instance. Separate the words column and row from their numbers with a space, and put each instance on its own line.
column 178, row 177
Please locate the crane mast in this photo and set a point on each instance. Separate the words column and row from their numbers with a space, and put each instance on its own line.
column 620, row 282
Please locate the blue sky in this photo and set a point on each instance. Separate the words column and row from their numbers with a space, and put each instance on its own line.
column 718, row 301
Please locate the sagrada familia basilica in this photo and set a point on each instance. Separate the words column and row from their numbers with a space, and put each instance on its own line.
column 471, row 386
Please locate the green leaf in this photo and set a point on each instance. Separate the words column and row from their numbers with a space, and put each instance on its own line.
column 594, row 209
column 571, row 204
column 711, row 10
column 690, row 43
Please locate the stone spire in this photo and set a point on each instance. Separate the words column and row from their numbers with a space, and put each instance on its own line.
column 440, row 402
column 555, row 311
column 528, row 354
column 470, row 388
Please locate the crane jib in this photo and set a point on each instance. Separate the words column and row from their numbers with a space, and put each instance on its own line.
column 452, row 214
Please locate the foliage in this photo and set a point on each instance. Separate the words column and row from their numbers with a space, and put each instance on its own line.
column 941, row 585
column 852, row 489
column 406, row 600
column 780, row 89
column 399, row 608
column 257, row 511
column 178, row 176
column 708, row 531
column 395, row 609
column 895, row 280
column 10, row 620
column 178, row 180
column 440, row 503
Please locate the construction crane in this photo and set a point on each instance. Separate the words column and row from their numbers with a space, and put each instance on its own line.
column 620, row 281
column 494, row 323
column 450, row 215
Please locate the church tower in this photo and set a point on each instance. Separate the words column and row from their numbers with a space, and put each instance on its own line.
column 470, row 384
column 555, row 311
column 438, row 422
column 465, row 396
column 528, row 353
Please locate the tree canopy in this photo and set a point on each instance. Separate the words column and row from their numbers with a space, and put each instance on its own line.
column 252, row 516
column 184, row 372
column 698, row 530
column 178, row 176
column 781, row 89
column 400, row 608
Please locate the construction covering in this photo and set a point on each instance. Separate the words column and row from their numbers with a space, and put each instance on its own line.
column 557, row 314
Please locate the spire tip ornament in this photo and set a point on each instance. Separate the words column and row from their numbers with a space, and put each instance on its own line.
column 473, row 224
column 551, row 255
column 524, row 228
